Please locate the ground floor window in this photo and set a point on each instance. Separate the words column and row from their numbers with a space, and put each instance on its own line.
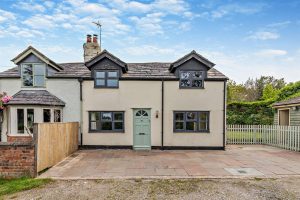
column 46, row 115
column 57, row 115
column 20, row 120
column 104, row 121
column 191, row 121
column 30, row 119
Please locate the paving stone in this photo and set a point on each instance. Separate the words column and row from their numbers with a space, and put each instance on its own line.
column 257, row 160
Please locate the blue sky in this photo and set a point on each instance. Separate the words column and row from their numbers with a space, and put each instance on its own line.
column 244, row 38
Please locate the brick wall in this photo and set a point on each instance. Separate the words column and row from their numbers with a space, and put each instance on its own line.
column 26, row 138
column 17, row 159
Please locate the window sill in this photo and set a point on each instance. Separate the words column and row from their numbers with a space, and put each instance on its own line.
column 30, row 87
column 107, row 132
column 19, row 135
column 98, row 87
column 197, row 132
column 201, row 88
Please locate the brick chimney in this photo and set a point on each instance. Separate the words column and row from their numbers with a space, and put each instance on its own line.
column 91, row 48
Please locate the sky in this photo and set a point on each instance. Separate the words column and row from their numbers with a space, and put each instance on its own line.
column 243, row 38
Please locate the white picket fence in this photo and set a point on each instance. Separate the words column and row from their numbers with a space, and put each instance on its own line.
column 286, row 137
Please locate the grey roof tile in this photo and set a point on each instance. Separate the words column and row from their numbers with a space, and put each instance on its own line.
column 288, row 102
column 35, row 97
column 135, row 70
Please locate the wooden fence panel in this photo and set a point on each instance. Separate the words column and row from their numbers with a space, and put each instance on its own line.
column 286, row 137
column 55, row 141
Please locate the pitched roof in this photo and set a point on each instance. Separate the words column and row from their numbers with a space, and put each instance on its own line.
column 37, row 53
column 35, row 97
column 287, row 102
column 106, row 54
column 192, row 54
column 10, row 73
column 135, row 70
column 131, row 70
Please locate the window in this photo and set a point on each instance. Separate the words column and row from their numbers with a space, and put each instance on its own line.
column 57, row 116
column 47, row 115
column 191, row 121
column 33, row 75
column 106, row 121
column 106, row 79
column 20, row 120
column 191, row 79
column 30, row 119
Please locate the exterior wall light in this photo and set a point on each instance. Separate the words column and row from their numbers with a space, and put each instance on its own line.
column 156, row 114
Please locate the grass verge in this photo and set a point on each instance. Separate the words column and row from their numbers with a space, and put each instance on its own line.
column 10, row 186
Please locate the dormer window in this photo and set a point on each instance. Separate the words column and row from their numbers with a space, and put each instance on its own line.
column 106, row 78
column 191, row 79
column 33, row 75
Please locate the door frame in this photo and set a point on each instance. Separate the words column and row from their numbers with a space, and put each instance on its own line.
column 289, row 115
column 133, row 123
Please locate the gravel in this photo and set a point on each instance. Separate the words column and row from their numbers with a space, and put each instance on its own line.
column 283, row 188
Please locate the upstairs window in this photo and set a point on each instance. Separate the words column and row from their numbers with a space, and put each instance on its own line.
column 191, row 79
column 33, row 75
column 106, row 79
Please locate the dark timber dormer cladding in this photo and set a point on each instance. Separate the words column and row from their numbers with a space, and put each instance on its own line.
column 191, row 61
column 106, row 60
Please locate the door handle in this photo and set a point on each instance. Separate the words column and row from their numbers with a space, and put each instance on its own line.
column 141, row 133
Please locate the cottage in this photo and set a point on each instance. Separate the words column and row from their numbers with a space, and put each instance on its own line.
column 287, row 112
column 118, row 104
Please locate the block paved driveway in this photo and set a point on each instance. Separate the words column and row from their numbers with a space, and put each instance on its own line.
column 236, row 161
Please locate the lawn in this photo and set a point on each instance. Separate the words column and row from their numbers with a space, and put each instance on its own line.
column 10, row 186
column 246, row 137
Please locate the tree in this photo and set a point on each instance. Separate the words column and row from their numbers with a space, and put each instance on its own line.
column 235, row 92
column 270, row 92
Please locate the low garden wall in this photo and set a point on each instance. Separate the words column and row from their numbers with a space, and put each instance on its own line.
column 25, row 155
column 17, row 159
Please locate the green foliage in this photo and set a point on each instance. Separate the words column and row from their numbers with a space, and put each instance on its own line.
column 289, row 90
column 253, row 89
column 259, row 111
column 270, row 92
column 21, row 184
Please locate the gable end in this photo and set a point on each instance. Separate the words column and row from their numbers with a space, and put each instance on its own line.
column 106, row 55
column 191, row 55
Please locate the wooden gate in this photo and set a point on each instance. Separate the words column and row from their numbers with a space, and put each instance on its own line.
column 54, row 142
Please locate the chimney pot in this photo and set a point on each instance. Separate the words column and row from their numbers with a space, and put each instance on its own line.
column 88, row 38
column 95, row 37
column 91, row 48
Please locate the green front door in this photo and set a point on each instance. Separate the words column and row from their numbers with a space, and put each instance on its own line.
column 141, row 129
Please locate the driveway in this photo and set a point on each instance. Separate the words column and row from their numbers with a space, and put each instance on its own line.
column 236, row 161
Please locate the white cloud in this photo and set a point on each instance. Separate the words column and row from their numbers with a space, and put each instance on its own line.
column 264, row 35
column 131, row 6
column 176, row 7
column 171, row 6
column 29, row 6
column 150, row 24
column 6, row 16
column 279, row 24
column 185, row 26
column 49, row 4
column 271, row 52
column 230, row 9
column 40, row 22
column 152, row 52
column 18, row 32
